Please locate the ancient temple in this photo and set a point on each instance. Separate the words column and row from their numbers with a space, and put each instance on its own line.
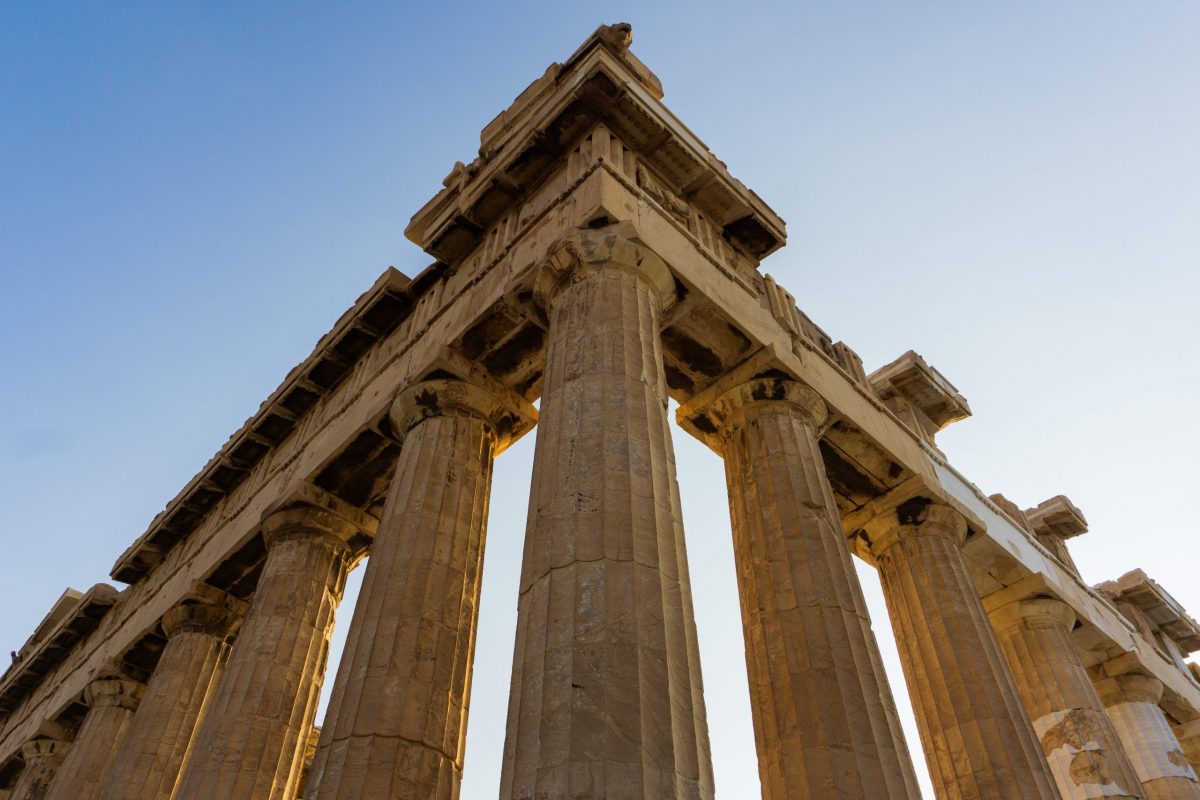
column 598, row 258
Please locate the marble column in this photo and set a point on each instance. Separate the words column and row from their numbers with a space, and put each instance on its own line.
column 978, row 740
column 158, row 743
column 111, row 701
column 606, row 697
column 43, row 756
column 251, row 743
column 825, row 723
column 397, row 721
column 1131, row 700
column 1188, row 735
column 1080, row 743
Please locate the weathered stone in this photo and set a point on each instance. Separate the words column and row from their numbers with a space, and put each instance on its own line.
column 606, row 696
column 111, row 702
column 1081, row 746
column 43, row 758
column 157, row 744
column 824, row 720
column 1131, row 699
column 251, row 742
column 396, row 725
column 978, row 740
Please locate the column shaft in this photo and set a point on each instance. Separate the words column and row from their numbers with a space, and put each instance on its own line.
column 396, row 725
column 1132, row 704
column 111, row 703
column 824, row 719
column 43, row 757
column 250, row 745
column 157, row 745
column 606, row 696
column 978, row 740
column 1080, row 744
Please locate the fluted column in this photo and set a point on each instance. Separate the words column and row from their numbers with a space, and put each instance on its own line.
column 1080, row 743
column 111, row 702
column 43, row 756
column 1188, row 735
column 978, row 740
column 157, row 745
column 397, row 720
column 251, row 743
column 606, row 696
column 825, row 723
column 1131, row 700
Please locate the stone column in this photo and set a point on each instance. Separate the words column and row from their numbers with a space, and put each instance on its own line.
column 1132, row 703
column 397, row 721
column 157, row 744
column 825, row 723
column 251, row 743
column 111, row 702
column 43, row 756
column 1188, row 735
column 1080, row 743
column 978, row 740
column 606, row 696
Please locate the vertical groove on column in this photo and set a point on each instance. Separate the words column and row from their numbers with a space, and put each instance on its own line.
column 606, row 696
column 397, row 720
column 977, row 738
column 825, row 724
column 251, row 743
column 43, row 757
column 111, row 704
column 1150, row 743
column 1079, row 741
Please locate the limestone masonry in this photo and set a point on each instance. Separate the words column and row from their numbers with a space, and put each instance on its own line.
column 597, row 256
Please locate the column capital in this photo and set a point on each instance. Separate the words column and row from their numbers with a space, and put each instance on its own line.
column 302, row 521
column 45, row 748
column 1130, row 687
column 1033, row 612
column 732, row 404
column 205, row 609
column 114, row 691
column 916, row 519
column 616, row 246
column 508, row 414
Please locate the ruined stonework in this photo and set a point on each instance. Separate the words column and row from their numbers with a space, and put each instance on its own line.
column 597, row 258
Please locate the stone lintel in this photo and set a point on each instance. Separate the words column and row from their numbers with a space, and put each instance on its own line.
column 1057, row 516
column 1161, row 609
column 601, row 83
column 923, row 387
column 74, row 626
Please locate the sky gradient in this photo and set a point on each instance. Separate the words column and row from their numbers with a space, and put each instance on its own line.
column 191, row 195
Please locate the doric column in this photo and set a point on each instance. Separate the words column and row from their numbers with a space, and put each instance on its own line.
column 1188, row 735
column 1132, row 703
column 43, row 756
column 157, row 745
column 824, row 720
column 978, row 740
column 397, row 720
column 111, row 701
column 251, row 743
column 1081, row 746
column 606, row 696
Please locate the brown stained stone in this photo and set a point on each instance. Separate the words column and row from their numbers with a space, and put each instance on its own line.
column 1188, row 735
column 397, row 721
column 43, row 758
column 250, row 745
column 111, row 702
column 157, row 744
column 1131, row 700
column 606, row 698
column 978, row 740
column 1080, row 743
column 824, row 720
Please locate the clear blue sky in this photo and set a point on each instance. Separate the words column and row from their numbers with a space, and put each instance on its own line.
column 191, row 194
